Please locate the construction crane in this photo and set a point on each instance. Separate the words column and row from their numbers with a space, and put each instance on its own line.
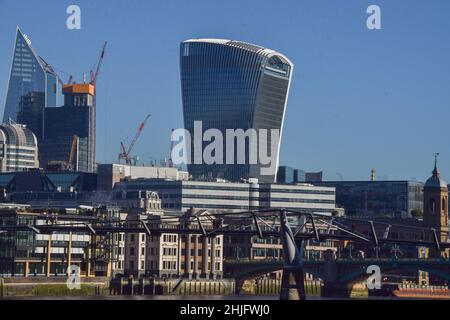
column 50, row 68
column 126, row 153
column 94, row 76
column 72, row 152
column 93, row 82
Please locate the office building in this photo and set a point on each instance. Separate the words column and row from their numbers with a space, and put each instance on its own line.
column 299, row 176
column 391, row 198
column 314, row 177
column 39, row 181
column 18, row 148
column 27, row 253
column 71, row 126
column 233, row 85
column 285, row 175
column 169, row 254
column 31, row 113
column 110, row 174
column 32, row 86
column 233, row 196
column 48, row 190
column 288, row 174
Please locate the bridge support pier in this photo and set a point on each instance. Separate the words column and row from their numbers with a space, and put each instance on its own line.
column 238, row 286
column 292, row 284
column 292, row 280
column 332, row 288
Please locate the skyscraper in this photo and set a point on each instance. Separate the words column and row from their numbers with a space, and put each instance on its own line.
column 71, row 125
column 32, row 86
column 233, row 85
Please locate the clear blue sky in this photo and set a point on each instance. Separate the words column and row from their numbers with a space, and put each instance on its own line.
column 360, row 99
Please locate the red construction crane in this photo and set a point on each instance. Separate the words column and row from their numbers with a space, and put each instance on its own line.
column 94, row 76
column 126, row 153
column 93, row 81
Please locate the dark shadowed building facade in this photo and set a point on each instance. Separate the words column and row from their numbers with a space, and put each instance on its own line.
column 74, row 120
column 392, row 198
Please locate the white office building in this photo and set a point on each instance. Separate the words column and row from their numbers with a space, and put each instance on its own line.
column 230, row 196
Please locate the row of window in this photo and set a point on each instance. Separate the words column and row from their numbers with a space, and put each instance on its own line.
column 166, row 265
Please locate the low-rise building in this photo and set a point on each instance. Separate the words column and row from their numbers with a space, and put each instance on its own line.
column 392, row 198
column 110, row 174
column 30, row 253
column 173, row 254
column 18, row 148
column 232, row 196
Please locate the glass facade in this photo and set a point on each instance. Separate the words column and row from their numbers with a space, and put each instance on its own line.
column 299, row 176
column 61, row 124
column 233, row 85
column 32, row 86
column 285, row 175
column 383, row 198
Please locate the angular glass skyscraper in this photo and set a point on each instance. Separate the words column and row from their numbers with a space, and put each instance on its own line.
column 233, row 85
column 32, row 86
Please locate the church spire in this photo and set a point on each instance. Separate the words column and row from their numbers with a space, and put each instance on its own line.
column 436, row 172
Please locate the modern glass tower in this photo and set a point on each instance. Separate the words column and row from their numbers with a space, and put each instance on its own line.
column 31, row 88
column 71, row 125
column 233, row 85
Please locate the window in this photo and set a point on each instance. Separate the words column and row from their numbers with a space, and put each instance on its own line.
column 132, row 237
column 131, row 251
column 142, row 250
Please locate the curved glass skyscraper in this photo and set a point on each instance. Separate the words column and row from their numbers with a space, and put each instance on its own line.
column 233, row 85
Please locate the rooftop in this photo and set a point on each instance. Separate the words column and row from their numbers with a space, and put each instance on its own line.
column 243, row 45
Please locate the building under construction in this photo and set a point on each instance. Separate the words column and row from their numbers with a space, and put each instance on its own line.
column 69, row 131
column 69, row 135
column 66, row 134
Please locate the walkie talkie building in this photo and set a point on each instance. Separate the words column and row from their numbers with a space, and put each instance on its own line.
column 233, row 85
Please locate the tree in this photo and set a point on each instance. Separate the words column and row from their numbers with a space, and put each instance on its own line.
column 417, row 213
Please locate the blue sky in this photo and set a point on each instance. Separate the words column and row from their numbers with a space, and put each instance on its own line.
column 359, row 100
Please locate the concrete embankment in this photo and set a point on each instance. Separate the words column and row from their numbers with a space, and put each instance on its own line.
column 103, row 286
column 189, row 287
column 57, row 286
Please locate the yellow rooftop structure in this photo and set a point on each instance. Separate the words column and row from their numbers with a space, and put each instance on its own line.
column 78, row 88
